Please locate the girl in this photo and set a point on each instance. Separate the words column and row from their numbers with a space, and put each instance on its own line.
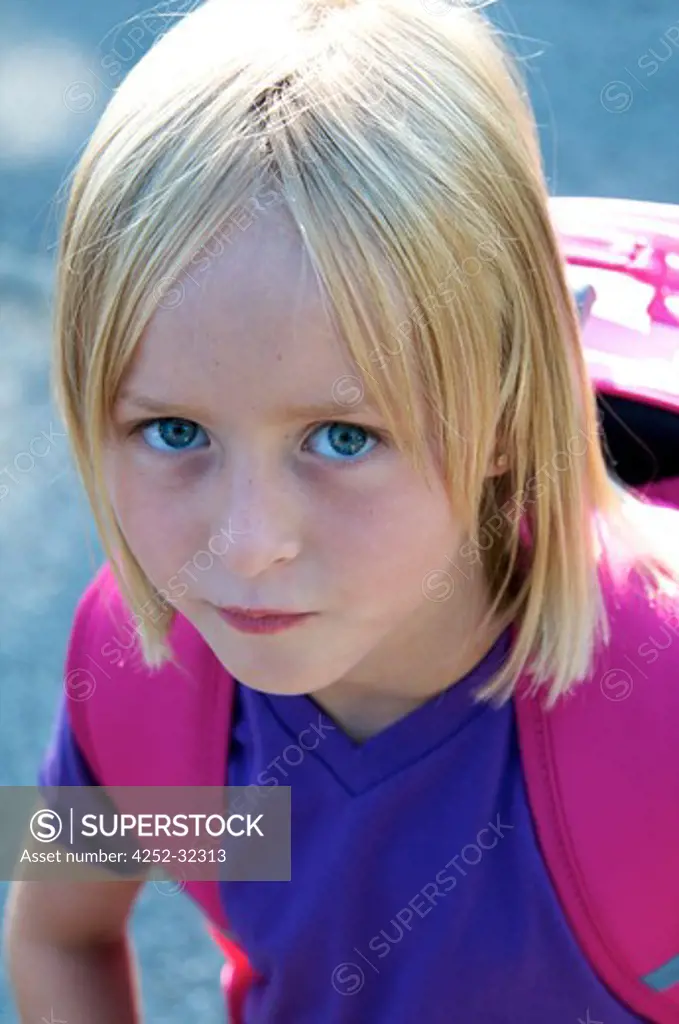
column 323, row 379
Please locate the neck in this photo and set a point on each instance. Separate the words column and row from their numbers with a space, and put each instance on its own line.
column 412, row 666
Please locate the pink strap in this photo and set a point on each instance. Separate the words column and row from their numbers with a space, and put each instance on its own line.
column 137, row 727
column 602, row 772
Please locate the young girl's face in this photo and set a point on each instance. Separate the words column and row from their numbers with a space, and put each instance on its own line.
column 261, row 478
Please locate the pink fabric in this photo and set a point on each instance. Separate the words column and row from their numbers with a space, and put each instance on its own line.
column 602, row 771
column 663, row 492
column 629, row 252
column 142, row 728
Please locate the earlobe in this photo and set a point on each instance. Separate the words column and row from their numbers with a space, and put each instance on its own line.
column 499, row 465
column 501, row 462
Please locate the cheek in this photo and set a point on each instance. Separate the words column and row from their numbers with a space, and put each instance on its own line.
column 386, row 545
column 162, row 530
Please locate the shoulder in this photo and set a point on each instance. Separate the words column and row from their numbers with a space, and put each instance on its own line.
column 136, row 724
column 641, row 659
column 625, row 714
column 641, row 596
column 602, row 771
column 629, row 701
column 105, row 628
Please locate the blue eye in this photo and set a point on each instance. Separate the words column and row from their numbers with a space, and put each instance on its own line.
column 346, row 441
column 172, row 431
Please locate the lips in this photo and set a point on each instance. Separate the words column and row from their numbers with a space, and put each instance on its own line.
column 262, row 620
column 260, row 613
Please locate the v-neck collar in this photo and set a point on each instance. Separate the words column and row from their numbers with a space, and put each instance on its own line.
column 360, row 766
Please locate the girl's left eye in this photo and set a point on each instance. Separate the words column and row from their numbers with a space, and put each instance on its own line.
column 172, row 431
column 345, row 442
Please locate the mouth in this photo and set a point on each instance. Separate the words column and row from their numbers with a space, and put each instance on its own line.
column 262, row 620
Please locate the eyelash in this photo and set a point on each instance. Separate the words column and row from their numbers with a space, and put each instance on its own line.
column 379, row 436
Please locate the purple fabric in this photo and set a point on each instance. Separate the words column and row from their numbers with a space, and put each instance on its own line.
column 418, row 890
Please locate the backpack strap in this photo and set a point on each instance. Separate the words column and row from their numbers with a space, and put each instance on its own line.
column 142, row 727
column 602, row 774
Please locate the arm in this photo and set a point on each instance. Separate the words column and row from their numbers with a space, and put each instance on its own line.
column 68, row 951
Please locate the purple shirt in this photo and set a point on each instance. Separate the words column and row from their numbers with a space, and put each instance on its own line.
column 418, row 889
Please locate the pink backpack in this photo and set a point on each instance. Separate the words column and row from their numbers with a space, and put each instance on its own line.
column 627, row 253
column 602, row 767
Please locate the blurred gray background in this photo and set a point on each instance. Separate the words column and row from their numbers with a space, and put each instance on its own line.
column 604, row 78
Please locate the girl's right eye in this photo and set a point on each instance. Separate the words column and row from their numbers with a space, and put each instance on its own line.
column 175, row 433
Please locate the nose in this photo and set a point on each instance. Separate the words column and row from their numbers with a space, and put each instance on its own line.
column 260, row 517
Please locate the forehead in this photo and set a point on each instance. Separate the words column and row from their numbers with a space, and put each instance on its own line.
column 251, row 323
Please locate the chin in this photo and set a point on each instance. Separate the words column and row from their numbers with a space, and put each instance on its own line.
column 278, row 683
column 273, row 672
column 278, row 665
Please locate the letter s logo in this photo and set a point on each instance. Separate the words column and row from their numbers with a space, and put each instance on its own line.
column 46, row 826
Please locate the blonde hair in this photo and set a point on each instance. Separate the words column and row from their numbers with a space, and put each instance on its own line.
column 399, row 137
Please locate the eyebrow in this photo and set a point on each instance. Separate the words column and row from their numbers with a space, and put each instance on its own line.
column 317, row 410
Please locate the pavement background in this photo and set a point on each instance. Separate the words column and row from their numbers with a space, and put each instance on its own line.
column 604, row 77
